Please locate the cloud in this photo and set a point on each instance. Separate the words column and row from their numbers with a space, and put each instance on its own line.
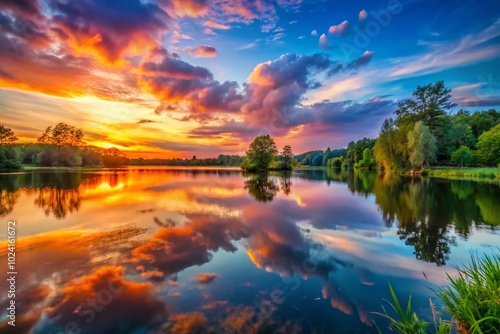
column 215, row 25
column 202, row 51
column 171, row 250
column 314, row 33
column 108, row 30
column 184, row 323
column 293, row 22
column 442, row 55
column 191, row 8
column 205, row 278
column 362, row 15
column 323, row 42
column 363, row 60
column 142, row 121
column 341, row 29
column 209, row 31
column 121, row 303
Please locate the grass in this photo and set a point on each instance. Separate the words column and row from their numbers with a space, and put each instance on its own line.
column 472, row 298
column 408, row 322
column 464, row 173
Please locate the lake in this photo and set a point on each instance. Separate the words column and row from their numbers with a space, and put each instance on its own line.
column 172, row 250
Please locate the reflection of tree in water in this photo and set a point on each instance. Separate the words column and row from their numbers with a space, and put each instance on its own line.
column 58, row 201
column 56, row 193
column 262, row 187
column 286, row 183
column 7, row 201
column 8, row 194
column 424, row 211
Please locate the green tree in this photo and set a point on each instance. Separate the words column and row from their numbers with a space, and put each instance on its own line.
column 62, row 135
column 261, row 152
column 335, row 162
column 287, row 157
column 422, row 146
column 385, row 149
column 431, row 104
column 488, row 146
column 326, row 156
column 6, row 135
column 462, row 135
column 368, row 160
column 355, row 150
column 464, row 156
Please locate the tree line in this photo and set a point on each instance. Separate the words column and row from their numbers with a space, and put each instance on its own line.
column 425, row 132
column 221, row 160
column 61, row 145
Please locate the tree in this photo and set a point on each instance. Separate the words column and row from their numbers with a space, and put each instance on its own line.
column 6, row 135
column 326, row 156
column 384, row 150
column 261, row 152
column 355, row 149
column 62, row 135
column 422, row 146
column 462, row 135
column 287, row 156
column 488, row 146
column 368, row 160
column 464, row 156
column 430, row 104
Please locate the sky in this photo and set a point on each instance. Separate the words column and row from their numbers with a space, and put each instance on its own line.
column 177, row 78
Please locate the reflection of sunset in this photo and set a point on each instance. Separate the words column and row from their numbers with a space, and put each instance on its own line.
column 196, row 241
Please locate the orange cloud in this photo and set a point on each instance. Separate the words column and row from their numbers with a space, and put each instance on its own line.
column 205, row 278
column 215, row 25
column 187, row 323
column 104, row 302
column 202, row 51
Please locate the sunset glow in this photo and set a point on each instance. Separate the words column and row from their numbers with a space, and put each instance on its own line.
column 169, row 78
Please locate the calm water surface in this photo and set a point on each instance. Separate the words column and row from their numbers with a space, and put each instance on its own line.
column 213, row 251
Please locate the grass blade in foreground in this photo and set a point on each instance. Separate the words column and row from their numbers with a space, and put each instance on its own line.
column 473, row 298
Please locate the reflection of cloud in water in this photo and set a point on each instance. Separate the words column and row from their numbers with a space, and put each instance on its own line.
column 58, row 257
column 173, row 249
column 104, row 302
column 186, row 323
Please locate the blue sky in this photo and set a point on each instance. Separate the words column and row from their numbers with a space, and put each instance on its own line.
column 209, row 75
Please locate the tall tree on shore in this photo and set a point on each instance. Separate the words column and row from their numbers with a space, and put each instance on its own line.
column 6, row 135
column 422, row 146
column 431, row 105
column 287, row 156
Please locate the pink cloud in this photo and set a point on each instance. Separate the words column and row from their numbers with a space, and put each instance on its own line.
column 341, row 29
